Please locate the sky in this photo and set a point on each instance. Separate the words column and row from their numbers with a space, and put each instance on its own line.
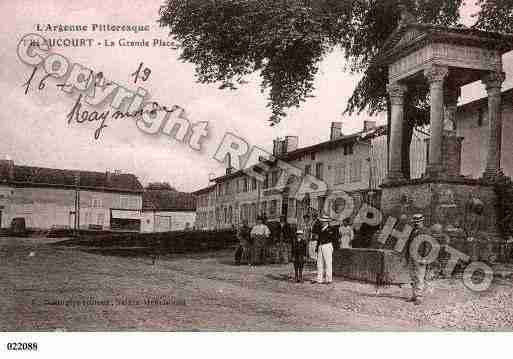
column 35, row 130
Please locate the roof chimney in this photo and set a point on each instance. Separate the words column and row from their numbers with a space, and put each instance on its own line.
column 369, row 125
column 291, row 143
column 229, row 168
column 336, row 130
column 277, row 147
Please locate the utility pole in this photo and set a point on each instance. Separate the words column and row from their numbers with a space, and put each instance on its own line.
column 77, row 203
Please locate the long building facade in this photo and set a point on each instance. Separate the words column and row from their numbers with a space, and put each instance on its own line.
column 355, row 164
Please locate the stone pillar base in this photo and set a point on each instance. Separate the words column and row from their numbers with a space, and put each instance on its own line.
column 445, row 202
column 450, row 166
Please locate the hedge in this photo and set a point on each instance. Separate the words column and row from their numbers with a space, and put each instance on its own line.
column 162, row 242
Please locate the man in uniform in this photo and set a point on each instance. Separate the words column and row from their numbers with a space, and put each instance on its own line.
column 327, row 235
column 416, row 267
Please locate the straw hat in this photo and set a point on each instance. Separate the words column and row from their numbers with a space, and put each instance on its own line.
column 417, row 218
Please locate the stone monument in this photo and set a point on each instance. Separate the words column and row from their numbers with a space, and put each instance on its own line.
column 444, row 59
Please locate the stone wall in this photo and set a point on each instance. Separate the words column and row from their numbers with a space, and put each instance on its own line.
column 448, row 203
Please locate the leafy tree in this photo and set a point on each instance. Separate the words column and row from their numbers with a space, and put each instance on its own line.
column 496, row 15
column 284, row 41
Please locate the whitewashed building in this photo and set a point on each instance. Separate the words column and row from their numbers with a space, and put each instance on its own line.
column 167, row 210
column 47, row 197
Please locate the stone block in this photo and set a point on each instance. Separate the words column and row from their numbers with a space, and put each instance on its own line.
column 378, row 266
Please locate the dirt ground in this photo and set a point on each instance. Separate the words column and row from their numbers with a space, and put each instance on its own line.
column 47, row 287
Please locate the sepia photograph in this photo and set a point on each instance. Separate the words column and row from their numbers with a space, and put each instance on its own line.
column 308, row 168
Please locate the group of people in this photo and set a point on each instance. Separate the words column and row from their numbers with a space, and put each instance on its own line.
column 262, row 244
column 314, row 240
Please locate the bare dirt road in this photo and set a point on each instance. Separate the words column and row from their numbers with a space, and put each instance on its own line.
column 46, row 287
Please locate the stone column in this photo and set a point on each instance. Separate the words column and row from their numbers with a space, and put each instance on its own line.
column 396, row 92
column 493, row 82
column 451, row 96
column 435, row 75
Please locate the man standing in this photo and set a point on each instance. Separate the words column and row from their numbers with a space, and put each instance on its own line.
column 244, row 243
column 311, row 243
column 259, row 234
column 346, row 233
column 325, row 240
column 285, row 239
column 414, row 256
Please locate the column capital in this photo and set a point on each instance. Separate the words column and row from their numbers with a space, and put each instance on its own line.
column 436, row 73
column 396, row 92
column 493, row 80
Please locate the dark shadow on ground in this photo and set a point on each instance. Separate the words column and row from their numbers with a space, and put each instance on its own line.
column 279, row 277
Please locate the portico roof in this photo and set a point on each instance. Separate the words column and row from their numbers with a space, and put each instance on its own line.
column 412, row 36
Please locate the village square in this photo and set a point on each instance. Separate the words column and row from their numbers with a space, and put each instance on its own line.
column 404, row 224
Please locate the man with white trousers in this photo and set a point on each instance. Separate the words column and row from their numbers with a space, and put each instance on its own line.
column 325, row 251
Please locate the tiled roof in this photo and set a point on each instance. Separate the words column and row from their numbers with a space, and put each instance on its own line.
column 168, row 200
column 354, row 137
column 507, row 97
column 51, row 177
column 204, row 190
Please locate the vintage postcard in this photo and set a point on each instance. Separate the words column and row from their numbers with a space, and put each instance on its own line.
column 255, row 166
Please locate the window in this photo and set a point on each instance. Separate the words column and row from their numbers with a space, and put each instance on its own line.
column 253, row 213
column 124, row 200
column 312, row 156
column 318, row 170
column 97, row 203
column 225, row 215
column 266, row 181
column 263, row 208
column 356, row 171
column 245, row 185
column 274, row 178
column 230, row 214
column 100, row 219
column 246, row 212
column 292, row 207
column 340, row 173
column 253, row 184
column 320, row 204
column 348, row 149
column 308, row 170
column 273, row 208
column 237, row 186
